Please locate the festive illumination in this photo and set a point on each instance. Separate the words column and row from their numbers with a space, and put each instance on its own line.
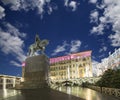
column 71, row 56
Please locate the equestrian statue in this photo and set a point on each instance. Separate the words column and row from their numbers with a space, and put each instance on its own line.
column 39, row 45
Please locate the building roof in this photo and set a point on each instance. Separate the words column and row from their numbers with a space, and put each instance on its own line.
column 9, row 76
column 71, row 56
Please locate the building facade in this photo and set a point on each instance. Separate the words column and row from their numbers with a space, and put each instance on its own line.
column 7, row 81
column 72, row 66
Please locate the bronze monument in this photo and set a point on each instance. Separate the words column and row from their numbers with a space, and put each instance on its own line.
column 36, row 70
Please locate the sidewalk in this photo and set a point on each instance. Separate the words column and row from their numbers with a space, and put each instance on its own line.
column 6, row 93
column 42, row 94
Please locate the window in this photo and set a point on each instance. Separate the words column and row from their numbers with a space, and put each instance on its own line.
column 1, row 80
column 80, row 65
column 77, row 60
column 84, row 59
column 84, row 64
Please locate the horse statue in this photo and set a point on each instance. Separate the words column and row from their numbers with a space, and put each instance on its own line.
column 39, row 45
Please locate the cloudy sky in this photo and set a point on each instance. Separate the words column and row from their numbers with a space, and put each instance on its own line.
column 69, row 25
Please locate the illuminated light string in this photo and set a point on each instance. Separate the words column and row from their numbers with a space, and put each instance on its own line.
column 71, row 56
column 68, row 57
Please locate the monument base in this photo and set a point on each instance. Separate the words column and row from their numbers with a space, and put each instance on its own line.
column 35, row 73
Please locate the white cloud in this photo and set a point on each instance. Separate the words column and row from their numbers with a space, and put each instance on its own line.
column 72, row 4
column 110, row 16
column 60, row 48
column 104, row 48
column 75, row 45
column 39, row 4
column 14, row 4
column 95, row 62
column 27, row 5
column 102, row 19
column 107, row 2
column 102, row 56
column 115, row 39
column 2, row 12
column 94, row 16
column 93, row 1
column 66, row 2
column 50, row 10
column 11, row 43
column 13, row 30
column 15, row 63
column 98, row 30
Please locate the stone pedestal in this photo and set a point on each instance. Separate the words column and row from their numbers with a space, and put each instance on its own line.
column 36, row 72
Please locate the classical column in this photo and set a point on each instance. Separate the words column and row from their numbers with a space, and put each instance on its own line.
column 13, row 82
column 68, row 71
column 76, row 71
column 4, row 83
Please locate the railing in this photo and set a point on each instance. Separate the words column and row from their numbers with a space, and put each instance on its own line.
column 109, row 91
column 97, row 88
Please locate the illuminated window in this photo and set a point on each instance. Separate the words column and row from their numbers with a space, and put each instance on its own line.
column 80, row 65
column 77, row 60
column 83, row 64
column 84, row 59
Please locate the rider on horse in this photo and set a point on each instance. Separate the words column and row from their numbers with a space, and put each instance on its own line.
column 38, row 45
column 37, row 40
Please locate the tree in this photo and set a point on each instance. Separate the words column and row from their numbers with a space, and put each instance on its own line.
column 110, row 78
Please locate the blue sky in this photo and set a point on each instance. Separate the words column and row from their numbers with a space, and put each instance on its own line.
column 69, row 25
